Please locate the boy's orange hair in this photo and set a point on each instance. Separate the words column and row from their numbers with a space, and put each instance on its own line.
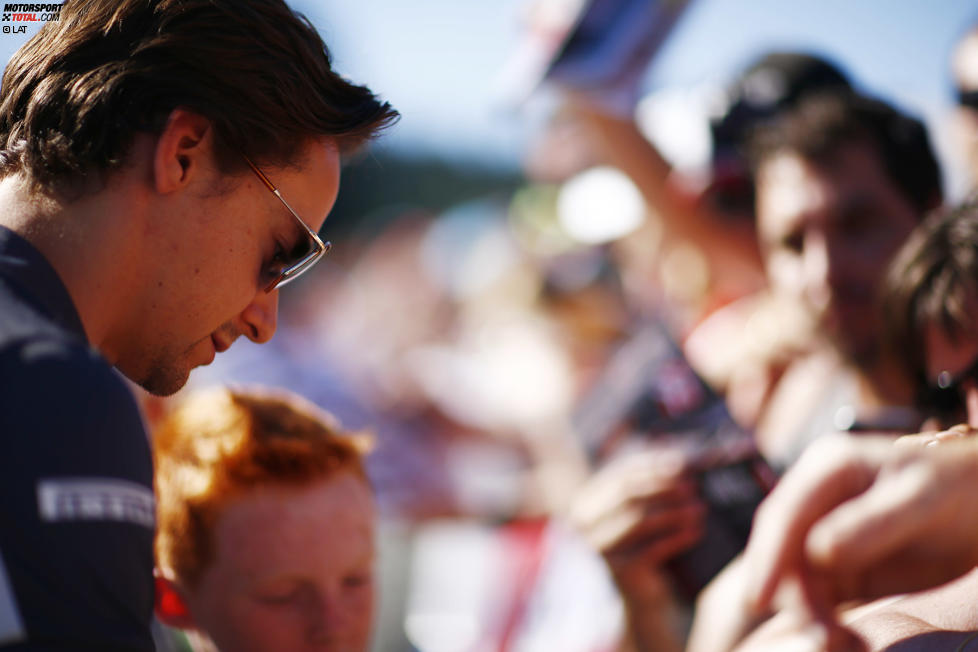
column 222, row 443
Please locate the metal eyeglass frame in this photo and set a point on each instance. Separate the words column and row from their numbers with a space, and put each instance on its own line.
column 300, row 267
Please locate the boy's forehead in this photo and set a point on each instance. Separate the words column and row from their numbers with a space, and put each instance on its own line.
column 265, row 530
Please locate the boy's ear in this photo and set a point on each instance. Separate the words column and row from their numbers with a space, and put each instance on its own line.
column 183, row 146
column 171, row 608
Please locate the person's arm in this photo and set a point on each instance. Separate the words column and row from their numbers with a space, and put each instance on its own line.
column 651, row 626
column 729, row 243
column 723, row 616
column 886, row 629
column 639, row 512
column 916, row 621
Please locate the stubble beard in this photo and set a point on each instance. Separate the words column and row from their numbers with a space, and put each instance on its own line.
column 165, row 374
column 164, row 381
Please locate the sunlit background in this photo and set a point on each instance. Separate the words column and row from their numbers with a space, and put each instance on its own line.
column 465, row 307
column 437, row 61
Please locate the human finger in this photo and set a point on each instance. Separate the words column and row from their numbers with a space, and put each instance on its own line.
column 793, row 630
column 831, row 471
column 918, row 440
column 909, row 531
column 875, row 523
column 598, row 507
column 653, row 551
column 654, row 524
column 960, row 431
column 935, row 436
column 661, row 522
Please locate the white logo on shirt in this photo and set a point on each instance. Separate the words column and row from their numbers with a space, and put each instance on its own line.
column 96, row 499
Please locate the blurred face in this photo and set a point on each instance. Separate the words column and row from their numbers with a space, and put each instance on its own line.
column 952, row 373
column 964, row 67
column 292, row 571
column 828, row 232
column 206, row 271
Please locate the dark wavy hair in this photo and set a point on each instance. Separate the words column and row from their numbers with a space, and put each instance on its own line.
column 76, row 94
column 934, row 281
column 822, row 123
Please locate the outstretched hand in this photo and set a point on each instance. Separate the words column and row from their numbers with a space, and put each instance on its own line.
column 863, row 518
column 639, row 512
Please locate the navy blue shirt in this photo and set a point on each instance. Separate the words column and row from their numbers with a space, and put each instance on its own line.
column 76, row 484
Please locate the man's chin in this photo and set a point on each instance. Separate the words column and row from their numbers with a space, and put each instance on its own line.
column 162, row 382
column 856, row 349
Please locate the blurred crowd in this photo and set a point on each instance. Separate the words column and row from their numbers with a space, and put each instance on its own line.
column 577, row 395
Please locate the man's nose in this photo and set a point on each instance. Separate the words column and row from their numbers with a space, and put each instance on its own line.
column 817, row 266
column 259, row 319
column 327, row 620
column 970, row 389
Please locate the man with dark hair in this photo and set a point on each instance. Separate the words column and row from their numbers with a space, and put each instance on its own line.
column 870, row 517
column 164, row 168
column 932, row 304
column 841, row 182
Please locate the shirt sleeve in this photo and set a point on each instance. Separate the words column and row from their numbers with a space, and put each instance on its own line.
column 77, row 515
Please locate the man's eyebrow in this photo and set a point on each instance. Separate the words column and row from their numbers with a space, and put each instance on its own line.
column 857, row 204
column 298, row 237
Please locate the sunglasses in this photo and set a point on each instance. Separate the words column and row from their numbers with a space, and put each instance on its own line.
column 946, row 396
column 288, row 266
column 967, row 98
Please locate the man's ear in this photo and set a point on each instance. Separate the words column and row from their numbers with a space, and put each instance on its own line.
column 181, row 149
column 171, row 608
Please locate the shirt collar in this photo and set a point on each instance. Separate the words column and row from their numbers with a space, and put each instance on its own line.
column 31, row 275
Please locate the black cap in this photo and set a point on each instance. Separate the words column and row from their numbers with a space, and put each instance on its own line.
column 770, row 85
column 774, row 82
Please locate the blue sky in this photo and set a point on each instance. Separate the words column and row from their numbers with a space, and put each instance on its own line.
column 435, row 60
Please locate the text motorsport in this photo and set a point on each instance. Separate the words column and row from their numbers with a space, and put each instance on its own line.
column 27, row 13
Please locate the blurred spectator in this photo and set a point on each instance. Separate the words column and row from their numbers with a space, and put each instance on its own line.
column 674, row 503
column 860, row 518
column 642, row 523
column 714, row 210
column 933, row 302
column 639, row 512
column 932, row 299
column 708, row 256
column 932, row 306
column 266, row 525
column 759, row 325
column 964, row 69
column 841, row 182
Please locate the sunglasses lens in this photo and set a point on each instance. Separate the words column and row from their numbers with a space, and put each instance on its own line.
column 301, row 265
column 303, row 250
column 968, row 98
